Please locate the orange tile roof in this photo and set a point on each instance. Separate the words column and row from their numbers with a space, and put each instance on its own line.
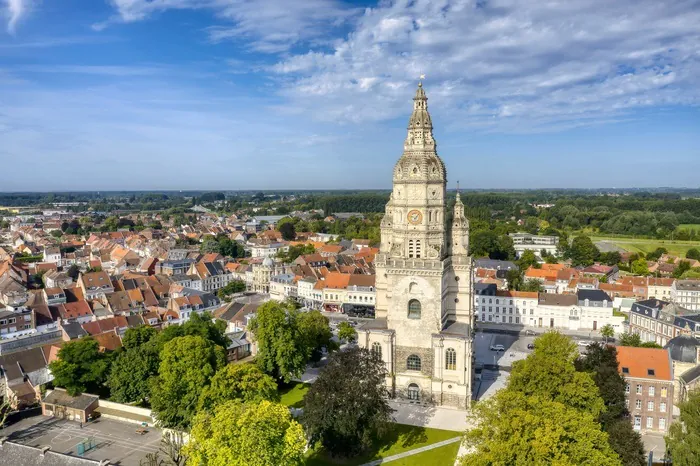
column 336, row 280
column 517, row 294
column 541, row 273
column 554, row 267
column 638, row 362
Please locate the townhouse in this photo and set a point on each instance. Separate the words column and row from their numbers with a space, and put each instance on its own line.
column 659, row 321
column 686, row 293
column 648, row 374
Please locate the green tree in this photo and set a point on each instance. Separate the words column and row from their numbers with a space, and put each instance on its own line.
column 111, row 224
column 346, row 332
column 683, row 267
column 633, row 339
column 532, row 285
column 234, row 286
column 488, row 243
column 244, row 382
column 516, row 429
column 693, row 253
column 187, row 365
column 137, row 336
column 607, row 331
column 528, row 259
column 639, row 267
column 80, row 367
column 130, row 376
column 549, row 372
column 317, row 334
column 656, row 254
column 295, row 251
column 610, row 258
column 261, row 434
column 683, row 440
column 582, row 251
column 346, row 425
column 282, row 348
column 288, row 231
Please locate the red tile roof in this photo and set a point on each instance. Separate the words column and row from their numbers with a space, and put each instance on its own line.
column 637, row 362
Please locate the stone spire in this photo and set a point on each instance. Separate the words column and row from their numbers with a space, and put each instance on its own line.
column 420, row 159
column 420, row 126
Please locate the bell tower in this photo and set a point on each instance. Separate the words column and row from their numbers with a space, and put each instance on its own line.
column 423, row 326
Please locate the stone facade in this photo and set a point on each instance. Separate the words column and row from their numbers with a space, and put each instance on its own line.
column 424, row 305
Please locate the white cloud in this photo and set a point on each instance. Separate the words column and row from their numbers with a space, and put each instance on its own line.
column 15, row 10
column 505, row 64
column 268, row 26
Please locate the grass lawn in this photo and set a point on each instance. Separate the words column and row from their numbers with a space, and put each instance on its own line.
column 399, row 439
column 689, row 226
column 443, row 456
column 675, row 247
column 293, row 395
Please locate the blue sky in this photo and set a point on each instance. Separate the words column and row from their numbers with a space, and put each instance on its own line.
column 284, row 94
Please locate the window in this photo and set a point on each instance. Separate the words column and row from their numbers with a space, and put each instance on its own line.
column 625, row 370
column 650, row 372
column 652, row 390
column 662, row 423
column 638, row 404
column 414, row 309
column 627, row 403
column 413, row 392
column 377, row 349
column 662, row 407
column 450, row 359
column 650, row 422
column 639, row 389
column 637, row 422
column 650, row 406
column 627, row 388
column 413, row 363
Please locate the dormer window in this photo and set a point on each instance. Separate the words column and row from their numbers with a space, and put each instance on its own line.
column 650, row 372
column 625, row 370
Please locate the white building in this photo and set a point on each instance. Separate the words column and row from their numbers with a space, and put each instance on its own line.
column 267, row 249
column 283, row 286
column 686, row 293
column 527, row 242
column 424, row 311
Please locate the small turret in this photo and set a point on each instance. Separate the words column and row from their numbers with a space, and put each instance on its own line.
column 460, row 229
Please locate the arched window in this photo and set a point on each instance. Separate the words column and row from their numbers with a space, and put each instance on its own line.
column 377, row 348
column 450, row 359
column 413, row 363
column 414, row 309
column 413, row 392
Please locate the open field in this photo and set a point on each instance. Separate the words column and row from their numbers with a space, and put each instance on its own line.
column 689, row 226
column 399, row 439
column 678, row 248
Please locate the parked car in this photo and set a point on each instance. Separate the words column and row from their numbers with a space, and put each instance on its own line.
column 584, row 342
column 530, row 346
column 498, row 348
column 530, row 332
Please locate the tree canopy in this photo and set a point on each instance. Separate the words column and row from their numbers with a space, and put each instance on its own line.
column 81, row 367
column 244, row 382
column 683, row 440
column 346, row 408
column 129, row 378
column 187, row 365
column 347, row 332
column 288, row 339
column 547, row 414
column 582, row 251
column 257, row 434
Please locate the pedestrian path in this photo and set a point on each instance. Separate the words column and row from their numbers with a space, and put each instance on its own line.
column 398, row 456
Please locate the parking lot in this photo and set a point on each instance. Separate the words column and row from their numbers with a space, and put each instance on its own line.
column 116, row 441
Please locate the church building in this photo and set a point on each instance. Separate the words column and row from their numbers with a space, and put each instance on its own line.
column 424, row 322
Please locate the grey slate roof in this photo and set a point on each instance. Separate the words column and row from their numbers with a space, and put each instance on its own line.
column 593, row 295
column 73, row 330
column 683, row 348
column 493, row 264
column 62, row 398
column 15, row 454
column 691, row 374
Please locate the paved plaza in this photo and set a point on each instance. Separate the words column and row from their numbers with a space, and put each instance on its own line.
column 116, row 441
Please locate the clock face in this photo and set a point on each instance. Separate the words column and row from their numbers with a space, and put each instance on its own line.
column 415, row 217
